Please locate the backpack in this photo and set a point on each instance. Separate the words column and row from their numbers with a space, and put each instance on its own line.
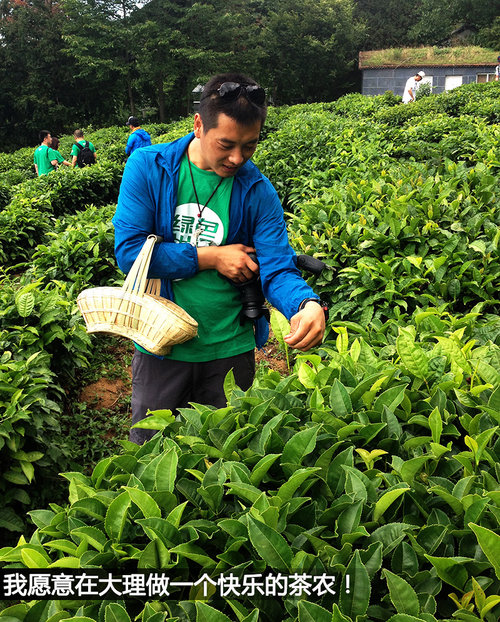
column 85, row 156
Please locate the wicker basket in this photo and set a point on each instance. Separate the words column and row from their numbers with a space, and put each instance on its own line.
column 136, row 310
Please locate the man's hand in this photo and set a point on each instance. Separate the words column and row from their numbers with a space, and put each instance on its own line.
column 307, row 327
column 232, row 261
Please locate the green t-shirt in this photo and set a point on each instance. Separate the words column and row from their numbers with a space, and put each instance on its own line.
column 75, row 150
column 43, row 157
column 211, row 300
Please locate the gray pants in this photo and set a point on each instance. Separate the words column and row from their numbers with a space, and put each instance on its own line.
column 166, row 384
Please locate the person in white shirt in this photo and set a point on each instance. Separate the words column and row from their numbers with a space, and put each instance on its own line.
column 411, row 87
column 497, row 70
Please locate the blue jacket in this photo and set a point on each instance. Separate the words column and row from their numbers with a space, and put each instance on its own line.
column 147, row 202
column 139, row 138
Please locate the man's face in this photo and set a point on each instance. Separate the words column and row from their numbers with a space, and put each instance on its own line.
column 226, row 148
column 48, row 140
column 418, row 78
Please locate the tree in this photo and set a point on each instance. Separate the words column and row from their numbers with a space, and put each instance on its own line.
column 33, row 71
column 437, row 19
column 172, row 53
column 97, row 44
column 387, row 22
column 311, row 48
column 489, row 36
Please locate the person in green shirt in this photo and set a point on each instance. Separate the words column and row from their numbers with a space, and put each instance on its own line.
column 212, row 207
column 80, row 140
column 45, row 158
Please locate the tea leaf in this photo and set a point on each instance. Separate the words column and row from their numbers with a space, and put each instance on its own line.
column 299, row 446
column 114, row 612
column 93, row 536
column 412, row 356
column 340, row 401
column 311, row 612
column 25, row 303
column 436, row 425
column 391, row 398
column 155, row 420
column 489, row 542
column 451, row 569
column 262, row 467
column 337, row 615
column 270, row 545
column 286, row 491
column 386, row 500
column 194, row 552
column 206, row 613
column 229, row 385
column 34, row 559
column 403, row 596
column 166, row 471
column 453, row 353
column 144, row 502
column 306, row 375
column 356, row 589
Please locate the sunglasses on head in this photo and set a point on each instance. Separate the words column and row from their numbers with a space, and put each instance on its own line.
column 230, row 91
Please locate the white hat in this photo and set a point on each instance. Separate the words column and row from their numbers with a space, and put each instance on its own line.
column 421, row 74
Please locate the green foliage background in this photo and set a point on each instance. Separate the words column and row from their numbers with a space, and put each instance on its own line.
column 71, row 63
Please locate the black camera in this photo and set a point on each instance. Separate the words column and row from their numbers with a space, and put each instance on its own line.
column 252, row 298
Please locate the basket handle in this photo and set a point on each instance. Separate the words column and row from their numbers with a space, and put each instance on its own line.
column 153, row 287
column 136, row 280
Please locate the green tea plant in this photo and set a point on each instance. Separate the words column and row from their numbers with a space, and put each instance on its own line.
column 375, row 460
column 404, row 217
column 20, row 161
column 424, row 91
column 380, row 469
column 43, row 343
column 80, row 250
column 25, row 221
column 67, row 191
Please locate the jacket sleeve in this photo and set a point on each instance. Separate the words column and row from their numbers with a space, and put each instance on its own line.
column 138, row 215
column 130, row 143
column 282, row 282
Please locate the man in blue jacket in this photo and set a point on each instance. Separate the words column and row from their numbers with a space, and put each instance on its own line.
column 212, row 207
column 138, row 137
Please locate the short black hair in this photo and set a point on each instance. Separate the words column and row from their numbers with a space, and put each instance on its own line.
column 42, row 135
column 241, row 109
column 133, row 121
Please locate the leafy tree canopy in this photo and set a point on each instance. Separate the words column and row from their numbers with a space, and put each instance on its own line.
column 71, row 63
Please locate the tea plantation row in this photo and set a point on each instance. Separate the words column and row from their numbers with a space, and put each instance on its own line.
column 375, row 461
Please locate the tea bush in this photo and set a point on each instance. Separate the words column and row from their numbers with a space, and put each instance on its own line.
column 79, row 251
column 383, row 469
column 20, row 161
column 375, row 460
column 392, row 210
column 26, row 220
column 43, row 343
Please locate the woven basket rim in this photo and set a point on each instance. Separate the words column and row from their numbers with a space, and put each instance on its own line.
column 168, row 324
column 136, row 310
column 118, row 294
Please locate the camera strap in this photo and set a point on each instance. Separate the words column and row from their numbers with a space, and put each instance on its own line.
column 199, row 230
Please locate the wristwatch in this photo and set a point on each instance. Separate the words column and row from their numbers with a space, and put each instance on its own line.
column 322, row 304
